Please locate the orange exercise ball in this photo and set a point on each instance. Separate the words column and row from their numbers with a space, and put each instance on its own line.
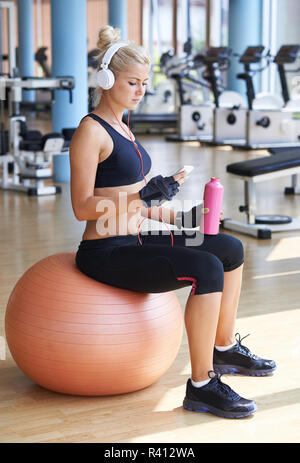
column 74, row 335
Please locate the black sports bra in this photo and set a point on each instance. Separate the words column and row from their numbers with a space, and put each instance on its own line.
column 123, row 165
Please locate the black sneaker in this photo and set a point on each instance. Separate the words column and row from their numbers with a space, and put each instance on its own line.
column 217, row 398
column 238, row 359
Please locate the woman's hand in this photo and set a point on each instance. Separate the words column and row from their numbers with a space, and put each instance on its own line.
column 192, row 218
column 160, row 189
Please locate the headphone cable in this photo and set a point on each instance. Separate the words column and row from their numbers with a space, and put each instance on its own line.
column 140, row 156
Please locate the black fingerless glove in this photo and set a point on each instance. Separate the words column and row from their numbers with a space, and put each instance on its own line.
column 159, row 189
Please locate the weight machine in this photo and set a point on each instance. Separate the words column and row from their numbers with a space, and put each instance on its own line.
column 26, row 155
column 195, row 109
column 270, row 121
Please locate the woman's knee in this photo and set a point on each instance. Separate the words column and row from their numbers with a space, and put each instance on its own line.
column 236, row 257
column 231, row 252
column 210, row 275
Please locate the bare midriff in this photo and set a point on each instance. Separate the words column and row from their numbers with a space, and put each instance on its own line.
column 124, row 223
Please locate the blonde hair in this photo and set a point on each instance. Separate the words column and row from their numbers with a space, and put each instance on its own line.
column 122, row 59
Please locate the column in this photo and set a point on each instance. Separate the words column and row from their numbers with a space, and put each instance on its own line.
column 26, row 44
column 117, row 15
column 69, row 58
column 245, row 29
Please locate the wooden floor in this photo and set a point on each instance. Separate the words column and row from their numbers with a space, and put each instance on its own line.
column 32, row 228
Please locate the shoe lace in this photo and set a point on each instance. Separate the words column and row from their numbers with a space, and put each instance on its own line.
column 243, row 349
column 222, row 388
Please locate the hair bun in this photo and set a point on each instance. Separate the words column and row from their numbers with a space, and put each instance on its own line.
column 107, row 36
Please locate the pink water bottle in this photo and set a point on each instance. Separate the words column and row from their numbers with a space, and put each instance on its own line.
column 213, row 196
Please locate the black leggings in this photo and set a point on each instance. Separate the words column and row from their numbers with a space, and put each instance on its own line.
column 156, row 266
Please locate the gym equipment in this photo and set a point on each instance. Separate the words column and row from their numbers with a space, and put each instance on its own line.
column 230, row 108
column 223, row 119
column 195, row 114
column 74, row 335
column 42, row 59
column 158, row 112
column 283, row 162
column 158, row 109
column 230, row 113
column 195, row 108
column 268, row 123
column 263, row 122
column 286, row 55
column 294, row 189
column 28, row 163
column 163, row 99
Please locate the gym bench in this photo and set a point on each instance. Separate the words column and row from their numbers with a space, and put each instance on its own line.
column 281, row 163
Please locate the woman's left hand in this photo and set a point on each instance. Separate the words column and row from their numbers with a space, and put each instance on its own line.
column 192, row 218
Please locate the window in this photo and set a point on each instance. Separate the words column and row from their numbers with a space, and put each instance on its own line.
column 218, row 22
column 281, row 27
column 191, row 22
column 157, row 27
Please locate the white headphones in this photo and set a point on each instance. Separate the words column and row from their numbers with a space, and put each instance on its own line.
column 105, row 77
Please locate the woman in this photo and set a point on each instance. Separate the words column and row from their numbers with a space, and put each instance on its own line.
column 108, row 168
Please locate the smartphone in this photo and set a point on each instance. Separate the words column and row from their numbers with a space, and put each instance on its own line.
column 186, row 169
